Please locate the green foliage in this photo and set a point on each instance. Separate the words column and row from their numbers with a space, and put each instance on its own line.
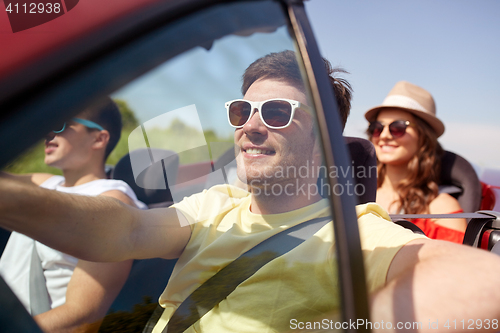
column 121, row 147
column 129, row 120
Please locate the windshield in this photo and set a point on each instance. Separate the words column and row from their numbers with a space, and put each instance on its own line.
column 232, row 153
column 190, row 138
column 219, row 124
column 187, row 125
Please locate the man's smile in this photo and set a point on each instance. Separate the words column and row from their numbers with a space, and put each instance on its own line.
column 257, row 150
column 50, row 147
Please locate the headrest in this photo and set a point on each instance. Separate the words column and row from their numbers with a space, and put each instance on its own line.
column 364, row 162
column 458, row 172
column 156, row 166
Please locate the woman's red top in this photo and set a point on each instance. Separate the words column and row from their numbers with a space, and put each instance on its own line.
column 436, row 231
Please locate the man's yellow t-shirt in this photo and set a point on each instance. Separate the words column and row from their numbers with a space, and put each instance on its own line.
column 300, row 285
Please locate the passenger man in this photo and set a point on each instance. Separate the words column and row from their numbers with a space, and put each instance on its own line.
column 410, row 277
column 62, row 292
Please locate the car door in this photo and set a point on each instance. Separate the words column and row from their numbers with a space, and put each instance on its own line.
column 174, row 65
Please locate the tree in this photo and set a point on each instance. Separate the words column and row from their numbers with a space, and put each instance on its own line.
column 129, row 120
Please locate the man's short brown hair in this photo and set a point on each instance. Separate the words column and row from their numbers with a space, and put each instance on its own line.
column 284, row 66
column 106, row 114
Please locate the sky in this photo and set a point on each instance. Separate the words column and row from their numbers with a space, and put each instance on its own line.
column 449, row 47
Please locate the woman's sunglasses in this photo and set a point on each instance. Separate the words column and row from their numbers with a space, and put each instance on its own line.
column 274, row 113
column 396, row 128
column 84, row 122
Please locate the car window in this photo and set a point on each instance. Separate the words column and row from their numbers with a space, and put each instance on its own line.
column 184, row 127
column 178, row 83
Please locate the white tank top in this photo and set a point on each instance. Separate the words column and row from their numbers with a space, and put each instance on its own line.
column 57, row 266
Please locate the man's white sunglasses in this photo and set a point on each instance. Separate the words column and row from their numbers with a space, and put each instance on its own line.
column 276, row 113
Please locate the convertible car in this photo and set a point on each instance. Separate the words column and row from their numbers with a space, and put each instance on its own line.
column 175, row 64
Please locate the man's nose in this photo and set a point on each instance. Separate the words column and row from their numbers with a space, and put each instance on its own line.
column 255, row 124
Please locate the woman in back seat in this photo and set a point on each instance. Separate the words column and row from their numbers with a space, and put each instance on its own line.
column 404, row 131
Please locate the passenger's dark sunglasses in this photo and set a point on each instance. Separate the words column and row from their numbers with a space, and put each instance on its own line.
column 274, row 113
column 396, row 128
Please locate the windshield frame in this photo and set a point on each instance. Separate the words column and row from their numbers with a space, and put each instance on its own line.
column 347, row 240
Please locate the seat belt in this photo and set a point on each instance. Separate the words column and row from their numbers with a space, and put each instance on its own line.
column 225, row 281
column 38, row 293
column 478, row 215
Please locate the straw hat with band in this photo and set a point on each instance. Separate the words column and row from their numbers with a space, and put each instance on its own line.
column 411, row 98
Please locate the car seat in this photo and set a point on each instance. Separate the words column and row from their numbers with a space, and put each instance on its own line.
column 459, row 179
column 14, row 317
column 4, row 238
column 226, row 162
column 148, row 277
column 150, row 185
column 484, row 232
column 364, row 162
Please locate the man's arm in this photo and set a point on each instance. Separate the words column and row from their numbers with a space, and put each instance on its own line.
column 436, row 281
column 91, row 228
column 91, row 291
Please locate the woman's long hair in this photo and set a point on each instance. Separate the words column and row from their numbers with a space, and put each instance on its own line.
column 421, row 186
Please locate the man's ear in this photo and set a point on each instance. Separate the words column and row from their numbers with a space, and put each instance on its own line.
column 101, row 140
